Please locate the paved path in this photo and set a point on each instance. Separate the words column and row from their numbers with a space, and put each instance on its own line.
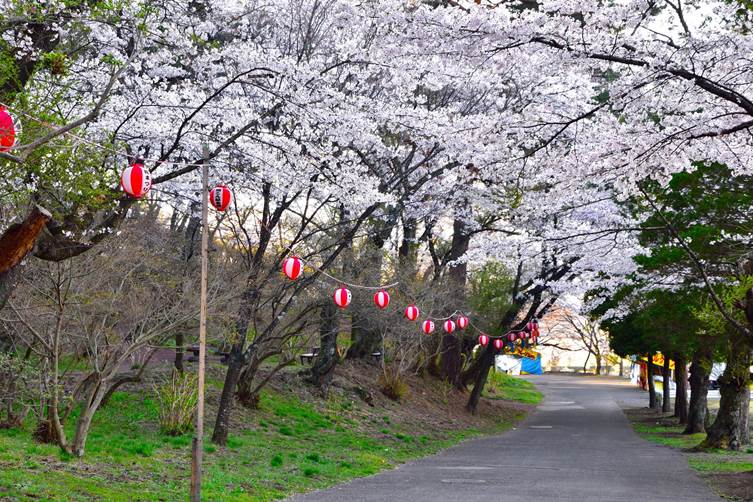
column 577, row 447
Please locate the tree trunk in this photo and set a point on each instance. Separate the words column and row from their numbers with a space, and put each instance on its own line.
column 324, row 366
column 366, row 337
column 179, row 351
column 585, row 364
column 651, row 386
column 729, row 430
column 486, row 362
column 458, row 272
column 225, row 407
column 16, row 242
column 681, row 396
column 666, row 373
column 598, row 364
column 700, row 369
column 451, row 360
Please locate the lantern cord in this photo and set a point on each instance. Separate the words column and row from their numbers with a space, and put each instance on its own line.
column 356, row 286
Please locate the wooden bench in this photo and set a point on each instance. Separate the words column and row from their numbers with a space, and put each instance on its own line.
column 308, row 358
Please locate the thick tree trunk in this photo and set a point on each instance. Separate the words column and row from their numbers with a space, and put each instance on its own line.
column 486, row 362
column 246, row 390
column 666, row 373
column 366, row 337
column 730, row 429
column 651, row 385
column 225, row 408
column 458, row 272
column 451, row 360
column 598, row 364
column 700, row 369
column 681, row 395
column 325, row 363
column 16, row 242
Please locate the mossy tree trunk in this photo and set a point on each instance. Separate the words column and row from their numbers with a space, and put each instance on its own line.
column 730, row 429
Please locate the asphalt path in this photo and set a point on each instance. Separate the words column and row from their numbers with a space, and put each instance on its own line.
column 577, row 446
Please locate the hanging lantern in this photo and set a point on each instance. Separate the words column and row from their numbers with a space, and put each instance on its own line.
column 499, row 343
column 483, row 340
column 535, row 330
column 411, row 312
column 511, row 337
column 449, row 325
column 428, row 326
column 529, row 326
column 342, row 297
column 136, row 180
column 462, row 322
column 293, row 267
column 8, row 130
column 382, row 299
column 220, row 197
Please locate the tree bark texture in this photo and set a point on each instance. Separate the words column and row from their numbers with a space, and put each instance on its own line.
column 700, row 370
column 666, row 373
column 15, row 243
column 730, row 428
column 681, row 395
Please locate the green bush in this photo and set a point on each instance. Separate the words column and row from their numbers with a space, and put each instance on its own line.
column 177, row 399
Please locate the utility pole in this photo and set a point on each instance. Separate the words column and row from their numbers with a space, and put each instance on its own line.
column 197, row 446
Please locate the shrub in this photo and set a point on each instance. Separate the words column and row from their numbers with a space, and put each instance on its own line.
column 276, row 461
column 392, row 384
column 177, row 399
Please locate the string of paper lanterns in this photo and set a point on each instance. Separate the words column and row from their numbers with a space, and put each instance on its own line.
column 136, row 181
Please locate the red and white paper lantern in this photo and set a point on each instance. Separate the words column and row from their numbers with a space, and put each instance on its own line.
column 382, row 299
column 342, row 297
column 136, row 180
column 498, row 343
column 483, row 340
column 462, row 322
column 8, row 130
column 449, row 326
column 411, row 312
column 220, row 197
column 512, row 337
column 293, row 267
column 428, row 326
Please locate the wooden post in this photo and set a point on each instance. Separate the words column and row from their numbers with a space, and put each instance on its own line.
column 198, row 439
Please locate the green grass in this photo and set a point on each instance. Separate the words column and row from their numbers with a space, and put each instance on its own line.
column 666, row 432
column 502, row 386
column 285, row 447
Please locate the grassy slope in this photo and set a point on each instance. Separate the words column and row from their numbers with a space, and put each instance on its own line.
column 502, row 386
column 287, row 446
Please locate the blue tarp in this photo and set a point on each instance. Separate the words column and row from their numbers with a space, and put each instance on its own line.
column 531, row 366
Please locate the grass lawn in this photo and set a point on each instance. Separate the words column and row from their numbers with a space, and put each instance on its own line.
column 287, row 446
column 728, row 472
